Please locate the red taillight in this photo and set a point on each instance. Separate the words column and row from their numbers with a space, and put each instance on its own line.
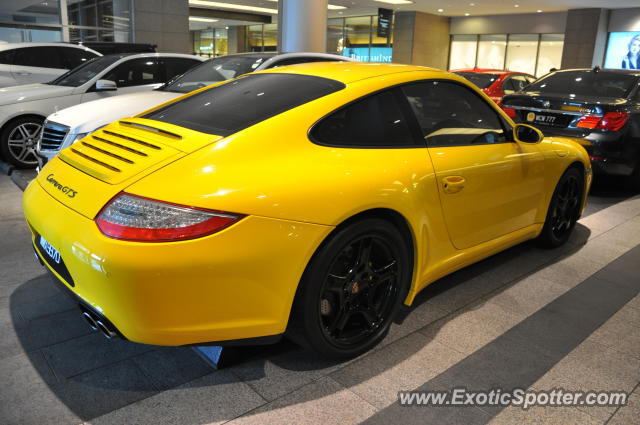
column 510, row 111
column 611, row 121
column 135, row 218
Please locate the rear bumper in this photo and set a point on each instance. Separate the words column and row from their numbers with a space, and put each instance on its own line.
column 610, row 152
column 233, row 285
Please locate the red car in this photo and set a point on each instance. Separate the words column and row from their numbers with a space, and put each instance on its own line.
column 496, row 83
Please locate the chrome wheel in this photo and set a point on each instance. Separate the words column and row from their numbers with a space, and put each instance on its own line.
column 22, row 141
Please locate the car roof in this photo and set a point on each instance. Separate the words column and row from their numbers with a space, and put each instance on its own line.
column 348, row 72
column 154, row 55
column 10, row 46
column 634, row 72
column 489, row 71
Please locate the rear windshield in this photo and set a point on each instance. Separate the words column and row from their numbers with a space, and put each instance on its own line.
column 481, row 80
column 241, row 103
column 215, row 70
column 586, row 83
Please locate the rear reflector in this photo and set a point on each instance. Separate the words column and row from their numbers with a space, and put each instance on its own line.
column 135, row 218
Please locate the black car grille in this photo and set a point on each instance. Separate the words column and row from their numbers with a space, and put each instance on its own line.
column 52, row 136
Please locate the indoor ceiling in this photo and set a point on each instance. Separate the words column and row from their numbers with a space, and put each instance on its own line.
column 443, row 7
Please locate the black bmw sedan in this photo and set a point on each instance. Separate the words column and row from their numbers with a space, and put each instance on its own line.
column 601, row 107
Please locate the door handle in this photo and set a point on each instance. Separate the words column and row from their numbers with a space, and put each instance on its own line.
column 24, row 73
column 453, row 184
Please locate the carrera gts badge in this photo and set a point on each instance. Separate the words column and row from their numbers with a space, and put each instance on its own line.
column 64, row 189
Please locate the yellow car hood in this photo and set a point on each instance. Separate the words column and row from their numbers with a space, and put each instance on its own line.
column 93, row 170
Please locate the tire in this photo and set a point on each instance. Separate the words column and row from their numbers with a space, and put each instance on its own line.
column 18, row 141
column 634, row 179
column 564, row 210
column 351, row 290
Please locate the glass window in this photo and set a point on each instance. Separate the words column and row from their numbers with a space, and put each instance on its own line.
column 254, row 36
column 480, row 79
column 550, row 53
column 177, row 66
column 463, row 51
column 74, row 57
column 515, row 84
column 31, row 12
column 85, row 72
column 83, row 13
column 335, row 36
column 491, row 51
column 241, row 103
column 136, row 72
column 43, row 57
column 605, row 84
column 270, row 37
column 452, row 115
column 375, row 121
column 521, row 53
column 357, row 43
column 216, row 70
column 221, row 37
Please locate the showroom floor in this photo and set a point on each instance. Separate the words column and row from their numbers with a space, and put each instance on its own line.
column 525, row 318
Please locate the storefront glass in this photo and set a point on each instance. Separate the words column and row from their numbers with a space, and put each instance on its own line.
column 550, row 53
column 522, row 51
column 463, row 51
column 491, row 51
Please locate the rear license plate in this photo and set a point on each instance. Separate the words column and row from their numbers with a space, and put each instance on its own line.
column 541, row 118
column 50, row 251
column 52, row 257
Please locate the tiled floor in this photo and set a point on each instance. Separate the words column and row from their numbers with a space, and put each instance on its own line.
column 527, row 317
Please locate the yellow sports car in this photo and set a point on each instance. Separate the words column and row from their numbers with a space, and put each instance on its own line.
column 310, row 200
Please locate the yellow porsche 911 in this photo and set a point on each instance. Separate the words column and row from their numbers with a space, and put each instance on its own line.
column 308, row 201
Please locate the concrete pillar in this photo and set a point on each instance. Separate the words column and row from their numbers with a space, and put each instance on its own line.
column 164, row 23
column 421, row 39
column 237, row 39
column 302, row 26
column 585, row 38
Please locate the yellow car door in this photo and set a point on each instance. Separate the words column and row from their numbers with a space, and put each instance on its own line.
column 489, row 185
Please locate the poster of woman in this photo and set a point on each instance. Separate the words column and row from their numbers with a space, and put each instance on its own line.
column 623, row 50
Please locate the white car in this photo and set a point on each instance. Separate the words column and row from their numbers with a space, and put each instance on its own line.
column 25, row 63
column 24, row 108
column 63, row 128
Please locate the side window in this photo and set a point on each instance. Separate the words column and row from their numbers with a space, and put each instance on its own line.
column 450, row 114
column 6, row 57
column 519, row 82
column 41, row 57
column 72, row 58
column 508, row 86
column 529, row 80
column 376, row 121
column 177, row 66
column 136, row 72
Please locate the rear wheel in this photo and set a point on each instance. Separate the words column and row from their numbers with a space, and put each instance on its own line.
column 564, row 210
column 352, row 290
column 18, row 141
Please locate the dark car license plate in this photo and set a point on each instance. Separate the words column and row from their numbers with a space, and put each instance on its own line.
column 53, row 258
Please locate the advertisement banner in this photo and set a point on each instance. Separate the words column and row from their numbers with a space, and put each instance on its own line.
column 623, row 50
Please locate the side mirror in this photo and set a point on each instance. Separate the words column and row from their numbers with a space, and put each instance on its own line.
column 525, row 133
column 106, row 85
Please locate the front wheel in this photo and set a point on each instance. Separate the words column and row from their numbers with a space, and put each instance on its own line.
column 352, row 290
column 564, row 210
column 18, row 141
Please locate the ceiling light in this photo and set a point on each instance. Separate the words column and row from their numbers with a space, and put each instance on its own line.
column 472, row 4
column 467, row 14
column 440, row 10
column 516, row 5
column 539, row 11
column 196, row 19
column 218, row 5
column 395, row 1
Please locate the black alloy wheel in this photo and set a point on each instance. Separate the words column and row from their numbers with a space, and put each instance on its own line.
column 352, row 290
column 564, row 209
column 18, row 141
